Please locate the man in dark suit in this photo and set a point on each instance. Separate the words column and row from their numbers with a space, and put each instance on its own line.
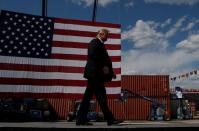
column 97, row 71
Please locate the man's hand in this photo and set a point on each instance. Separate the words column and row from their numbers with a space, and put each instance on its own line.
column 106, row 70
column 114, row 76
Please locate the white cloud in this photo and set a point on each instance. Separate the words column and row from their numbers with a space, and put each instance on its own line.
column 176, row 27
column 152, row 24
column 87, row 3
column 189, row 44
column 130, row 4
column 190, row 25
column 144, row 35
column 174, row 2
column 190, row 82
column 142, row 62
column 166, row 23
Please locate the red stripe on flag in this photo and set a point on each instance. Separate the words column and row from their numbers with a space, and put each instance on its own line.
column 117, row 70
column 83, row 33
column 89, row 23
column 70, row 44
column 113, row 47
column 48, row 95
column 51, row 82
column 80, row 57
column 83, row 45
column 39, row 68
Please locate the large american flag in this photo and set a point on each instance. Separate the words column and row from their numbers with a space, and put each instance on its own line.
column 45, row 57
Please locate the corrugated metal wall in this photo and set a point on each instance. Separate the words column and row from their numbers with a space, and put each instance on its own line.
column 61, row 107
column 147, row 85
column 156, row 86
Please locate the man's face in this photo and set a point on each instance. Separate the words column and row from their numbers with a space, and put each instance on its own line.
column 104, row 36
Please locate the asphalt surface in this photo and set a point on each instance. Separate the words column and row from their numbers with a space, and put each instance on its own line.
column 125, row 124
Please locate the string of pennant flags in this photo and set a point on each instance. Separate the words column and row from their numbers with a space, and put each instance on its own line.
column 185, row 91
column 186, row 75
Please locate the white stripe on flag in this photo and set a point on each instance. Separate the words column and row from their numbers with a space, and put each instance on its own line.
column 84, row 28
column 45, row 75
column 47, row 62
column 51, row 89
column 67, row 38
column 61, row 50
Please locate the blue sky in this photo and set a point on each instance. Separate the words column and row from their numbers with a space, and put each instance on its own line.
column 158, row 36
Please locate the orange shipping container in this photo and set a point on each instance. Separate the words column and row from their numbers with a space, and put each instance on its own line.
column 147, row 85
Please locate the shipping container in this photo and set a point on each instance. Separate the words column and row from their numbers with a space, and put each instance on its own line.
column 147, row 85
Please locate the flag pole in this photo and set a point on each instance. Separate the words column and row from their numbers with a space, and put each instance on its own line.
column 94, row 11
column 44, row 8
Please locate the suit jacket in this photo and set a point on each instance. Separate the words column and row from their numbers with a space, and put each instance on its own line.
column 97, row 58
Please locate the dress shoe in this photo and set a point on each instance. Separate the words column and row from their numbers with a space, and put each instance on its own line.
column 84, row 124
column 114, row 122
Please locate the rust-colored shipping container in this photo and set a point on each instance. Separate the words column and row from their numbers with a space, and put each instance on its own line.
column 147, row 85
column 152, row 86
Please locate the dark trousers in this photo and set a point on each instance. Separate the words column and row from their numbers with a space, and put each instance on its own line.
column 180, row 102
column 97, row 88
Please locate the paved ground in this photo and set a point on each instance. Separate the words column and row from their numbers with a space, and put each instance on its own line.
column 125, row 124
